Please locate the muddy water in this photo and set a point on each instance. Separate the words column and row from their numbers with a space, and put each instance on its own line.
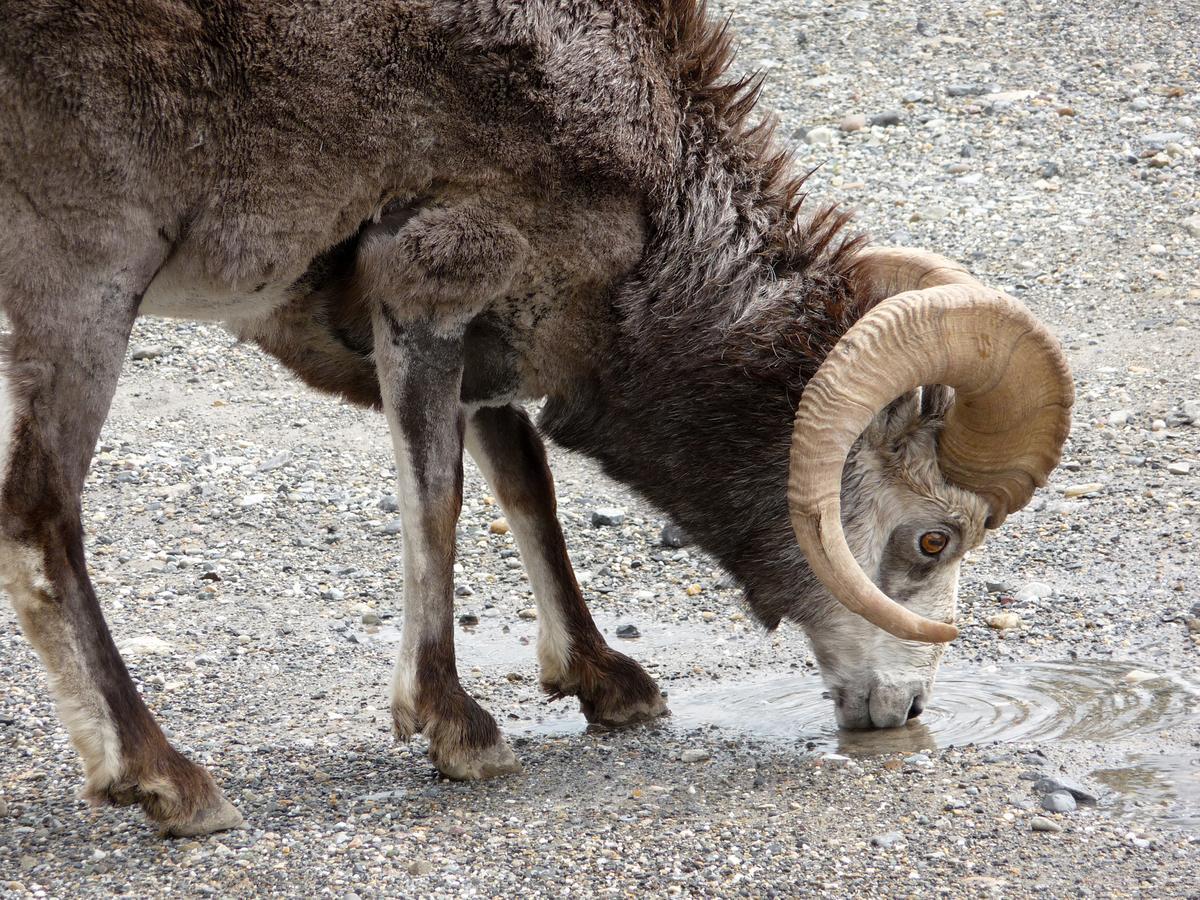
column 1134, row 730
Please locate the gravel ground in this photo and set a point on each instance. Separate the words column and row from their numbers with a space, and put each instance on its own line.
column 243, row 538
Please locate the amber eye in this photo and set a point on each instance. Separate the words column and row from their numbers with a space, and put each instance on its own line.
column 933, row 542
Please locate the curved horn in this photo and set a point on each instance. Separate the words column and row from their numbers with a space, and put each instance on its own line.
column 1003, row 437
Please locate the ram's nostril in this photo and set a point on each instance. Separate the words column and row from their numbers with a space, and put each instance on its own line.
column 916, row 709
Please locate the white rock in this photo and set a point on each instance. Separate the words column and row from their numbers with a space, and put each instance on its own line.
column 1179, row 468
column 856, row 122
column 1035, row 590
column 144, row 645
column 1082, row 490
column 1004, row 620
column 821, row 136
column 1192, row 225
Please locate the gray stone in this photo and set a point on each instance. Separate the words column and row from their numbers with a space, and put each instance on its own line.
column 275, row 462
column 389, row 503
column 695, row 755
column 1049, row 784
column 464, row 590
column 148, row 351
column 884, row 841
column 1059, row 802
column 965, row 90
column 1041, row 823
column 1192, row 225
column 607, row 515
column 1179, row 468
column 886, row 119
column 628, row 631
column 674, row 536
column 396, row 526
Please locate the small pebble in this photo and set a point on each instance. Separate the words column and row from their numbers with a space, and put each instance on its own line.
column 673, row 536
column 1004, row 620
column 498, row 526
column 820, row 136
column 1179, row 468
column 884, row 841
column 629, row 632
column 855, row 122
column 886, row 119
column 1059, row 802
column 608, row 515
column 1041, row 823
column 695, row 755
column 528, row 613
column 148, row 351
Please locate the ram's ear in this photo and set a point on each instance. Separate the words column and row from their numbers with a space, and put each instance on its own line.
column 936, row 400
column 893, row 424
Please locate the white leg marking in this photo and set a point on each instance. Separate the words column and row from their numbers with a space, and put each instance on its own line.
column 554, row 638
column 22, row 574
column 416, row 571
column 81, row 706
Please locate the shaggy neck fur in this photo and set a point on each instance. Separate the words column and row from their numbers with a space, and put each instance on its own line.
column 733, row 308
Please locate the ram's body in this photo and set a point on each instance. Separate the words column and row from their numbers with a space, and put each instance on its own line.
column 442, row 208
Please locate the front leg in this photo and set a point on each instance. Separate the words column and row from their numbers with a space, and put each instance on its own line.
column 420, row 375
column 575, row 660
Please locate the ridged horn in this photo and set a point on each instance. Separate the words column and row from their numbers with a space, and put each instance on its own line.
column 1002, row 437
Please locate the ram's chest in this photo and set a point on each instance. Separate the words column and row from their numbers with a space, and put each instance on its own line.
column 530, row 287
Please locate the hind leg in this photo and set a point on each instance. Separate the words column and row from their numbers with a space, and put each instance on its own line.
column 58, row 371
column 575, row 660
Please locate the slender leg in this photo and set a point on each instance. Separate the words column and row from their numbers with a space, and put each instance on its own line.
column 612, row 688
column 420, row 375
column 58, row 371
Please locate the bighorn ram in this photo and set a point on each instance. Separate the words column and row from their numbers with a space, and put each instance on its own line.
column 445, row 207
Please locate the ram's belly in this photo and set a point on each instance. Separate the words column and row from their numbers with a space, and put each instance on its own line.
column 179, row 292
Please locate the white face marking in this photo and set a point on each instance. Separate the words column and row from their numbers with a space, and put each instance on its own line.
column 874, row 677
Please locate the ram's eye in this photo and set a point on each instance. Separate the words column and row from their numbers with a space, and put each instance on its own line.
column 933, row 542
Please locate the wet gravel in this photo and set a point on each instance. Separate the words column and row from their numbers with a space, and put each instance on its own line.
column 243, row 537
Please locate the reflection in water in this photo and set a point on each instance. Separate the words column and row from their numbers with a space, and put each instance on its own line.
column 1104, row 703
column 912, row 737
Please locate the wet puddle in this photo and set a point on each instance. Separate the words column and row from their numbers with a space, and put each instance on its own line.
column 1133, row 730
column 1118, row 717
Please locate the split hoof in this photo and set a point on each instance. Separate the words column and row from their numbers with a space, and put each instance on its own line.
column 477, row 763
column 220, row 815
